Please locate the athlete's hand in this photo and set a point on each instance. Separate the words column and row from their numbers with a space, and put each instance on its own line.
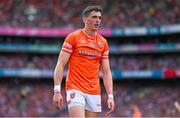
column 58, row 100
column 111, row 106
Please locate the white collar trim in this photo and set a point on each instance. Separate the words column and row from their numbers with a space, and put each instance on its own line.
column 88, row 34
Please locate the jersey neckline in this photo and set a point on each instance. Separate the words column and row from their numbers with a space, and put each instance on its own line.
column 91, row 37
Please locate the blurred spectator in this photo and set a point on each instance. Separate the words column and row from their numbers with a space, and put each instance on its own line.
column 136, row 112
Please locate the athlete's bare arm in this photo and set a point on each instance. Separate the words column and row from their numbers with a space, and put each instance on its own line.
column 108, row 83
column 58, row 76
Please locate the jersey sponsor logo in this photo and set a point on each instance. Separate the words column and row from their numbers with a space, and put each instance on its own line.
column 89, row 53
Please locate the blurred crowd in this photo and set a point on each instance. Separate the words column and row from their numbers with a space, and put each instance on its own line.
column 112, row 41
column 30, row 41
column 19, row 61
column 118, row 61
column 145, row 62
column 48, row 62
column 151, row 101
column 34, row 99
column 67, row 13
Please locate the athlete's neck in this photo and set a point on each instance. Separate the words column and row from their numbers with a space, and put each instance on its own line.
column 89, row 32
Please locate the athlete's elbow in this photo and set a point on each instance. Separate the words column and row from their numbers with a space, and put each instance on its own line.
column 107, row 75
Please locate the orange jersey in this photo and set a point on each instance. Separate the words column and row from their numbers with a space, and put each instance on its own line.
column 84, row 63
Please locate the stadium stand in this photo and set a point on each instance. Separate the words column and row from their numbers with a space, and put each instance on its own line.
column 65, row 13
column 33, row 98
column 145, row 63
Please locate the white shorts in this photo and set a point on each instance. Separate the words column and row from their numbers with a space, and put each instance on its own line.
column 88, row 101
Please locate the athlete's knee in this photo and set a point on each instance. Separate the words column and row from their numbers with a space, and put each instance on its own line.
column 77, row 111
column 91, row 114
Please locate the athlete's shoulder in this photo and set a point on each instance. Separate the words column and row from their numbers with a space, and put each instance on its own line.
column 77, row 32
column 102, row 42
column 101, row 38
column 74, row 35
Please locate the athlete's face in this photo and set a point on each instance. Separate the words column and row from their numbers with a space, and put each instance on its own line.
column 93, row 21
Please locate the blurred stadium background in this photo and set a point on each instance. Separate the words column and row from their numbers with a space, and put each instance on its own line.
column 144, row 41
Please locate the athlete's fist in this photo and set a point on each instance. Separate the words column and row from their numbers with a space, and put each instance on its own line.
column 111, row 105
column 58, row 100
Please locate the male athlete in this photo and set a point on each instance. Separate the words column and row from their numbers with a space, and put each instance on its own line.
column 87, row 52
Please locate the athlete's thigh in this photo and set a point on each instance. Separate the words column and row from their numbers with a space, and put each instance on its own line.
column 91, row 114
column 77, row 111
column 93, row 103
column 76, row 103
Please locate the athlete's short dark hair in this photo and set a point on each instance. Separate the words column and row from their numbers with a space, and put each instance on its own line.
column 89, row 9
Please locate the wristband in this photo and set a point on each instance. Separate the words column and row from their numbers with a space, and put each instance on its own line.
column 57, row 88
column 110, row 96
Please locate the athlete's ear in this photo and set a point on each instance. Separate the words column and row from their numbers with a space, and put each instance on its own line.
column 84, row 20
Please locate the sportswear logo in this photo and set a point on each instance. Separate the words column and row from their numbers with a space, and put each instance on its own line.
column 91, row 42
